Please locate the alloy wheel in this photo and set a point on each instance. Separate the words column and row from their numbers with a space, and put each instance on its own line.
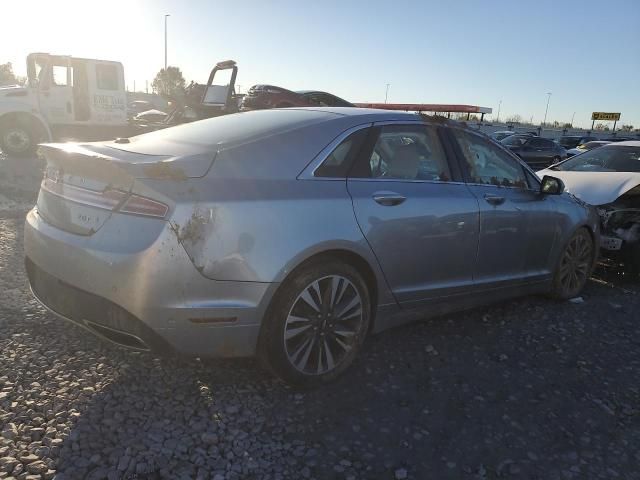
column 323, row 325
column 576, row 263
column 17, row 140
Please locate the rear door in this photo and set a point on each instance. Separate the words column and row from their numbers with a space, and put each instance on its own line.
column 542, row 151
column 517, row 224
column 418, row 217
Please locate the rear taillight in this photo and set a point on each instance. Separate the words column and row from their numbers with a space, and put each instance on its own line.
column 138, row 205
column 108, row 199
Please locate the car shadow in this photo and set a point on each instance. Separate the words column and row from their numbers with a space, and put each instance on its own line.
column 472, row 390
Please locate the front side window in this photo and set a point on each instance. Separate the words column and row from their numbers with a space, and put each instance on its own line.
column 487, row 164
column 515, row 141
column 407, row 152
column 59, row 75
column 337, row 163
column 107, row 77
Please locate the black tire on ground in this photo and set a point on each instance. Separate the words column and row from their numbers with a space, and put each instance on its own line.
column 318, row 334
column 17, row 139
column 574, row 266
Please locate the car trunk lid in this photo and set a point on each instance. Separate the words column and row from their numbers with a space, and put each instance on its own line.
column 84, row 184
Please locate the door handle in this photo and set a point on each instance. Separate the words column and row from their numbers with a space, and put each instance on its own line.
column 494, row 199
column 388, row 199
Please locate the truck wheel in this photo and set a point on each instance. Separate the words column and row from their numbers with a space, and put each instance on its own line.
column 17, row 140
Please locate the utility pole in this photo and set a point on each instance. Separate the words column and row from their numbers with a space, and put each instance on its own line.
column 165, row 40
column 499, row 105
column 386, row 95
column 546, row 110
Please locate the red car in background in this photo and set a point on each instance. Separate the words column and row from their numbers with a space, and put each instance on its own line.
column 269, row 96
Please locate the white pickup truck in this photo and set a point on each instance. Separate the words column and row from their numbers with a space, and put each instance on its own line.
column 65, row 97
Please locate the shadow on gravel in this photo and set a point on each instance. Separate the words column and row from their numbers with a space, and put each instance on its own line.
column 524, row 389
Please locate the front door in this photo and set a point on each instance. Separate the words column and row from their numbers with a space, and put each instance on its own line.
column 517, row 230
column 56, row 91
column 420, row 220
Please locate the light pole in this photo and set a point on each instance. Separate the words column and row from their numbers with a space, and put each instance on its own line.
column 499, row 105
column 547, row 109
column 165, row 40
column 572, row 117
column 386, row 95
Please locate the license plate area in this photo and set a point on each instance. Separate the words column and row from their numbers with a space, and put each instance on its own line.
column 610, row 243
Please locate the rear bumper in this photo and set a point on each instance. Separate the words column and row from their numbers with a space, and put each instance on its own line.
column 141, row 294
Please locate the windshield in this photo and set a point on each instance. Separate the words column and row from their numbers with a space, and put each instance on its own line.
column 515, row 141
column 604, row 159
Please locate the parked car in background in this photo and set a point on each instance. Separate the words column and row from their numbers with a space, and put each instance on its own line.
column 139, row 106
column 619, row 139
column 586, row 147
column 497, row 136
column 269, row 96
column 535, row 151
column 609, row 178
column 293, row 233
column 152, row 115
column 572, row 141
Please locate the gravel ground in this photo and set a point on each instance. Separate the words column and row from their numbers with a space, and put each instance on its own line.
column 530, row 389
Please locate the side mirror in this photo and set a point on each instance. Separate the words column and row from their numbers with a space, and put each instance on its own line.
column 551, row 185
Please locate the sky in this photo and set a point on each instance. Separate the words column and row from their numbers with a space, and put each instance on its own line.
column 490, row 53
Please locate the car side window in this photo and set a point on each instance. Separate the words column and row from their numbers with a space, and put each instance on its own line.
column 487, row 163
column 407, row 152
column 338, row 162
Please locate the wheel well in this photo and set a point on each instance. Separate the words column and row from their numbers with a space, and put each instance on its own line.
column 357, row 262
column 29, row 121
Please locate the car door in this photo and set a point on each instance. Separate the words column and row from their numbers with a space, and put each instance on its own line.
column 56, row 94
column 542, row 151
column 419, row 218
column 517, row 226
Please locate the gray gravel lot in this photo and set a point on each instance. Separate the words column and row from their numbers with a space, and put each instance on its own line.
column 530, row 388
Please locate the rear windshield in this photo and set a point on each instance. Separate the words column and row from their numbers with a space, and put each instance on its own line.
column 243, row 126
column 604, row 159
column 515, row 141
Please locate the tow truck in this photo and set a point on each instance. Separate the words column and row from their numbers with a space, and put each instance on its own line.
column 85, row 99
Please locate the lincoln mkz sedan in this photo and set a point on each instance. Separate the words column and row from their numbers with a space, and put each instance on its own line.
column 293, row 234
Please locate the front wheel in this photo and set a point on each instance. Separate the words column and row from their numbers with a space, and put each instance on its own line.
column 17, row 140
column 317, row 323
column 574, row 267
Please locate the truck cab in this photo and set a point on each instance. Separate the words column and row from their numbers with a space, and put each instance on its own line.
column 65, row 97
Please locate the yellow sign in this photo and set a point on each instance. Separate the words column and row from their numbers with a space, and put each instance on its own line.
column 605, row 116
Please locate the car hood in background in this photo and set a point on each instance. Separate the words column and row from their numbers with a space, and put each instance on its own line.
column 596, row 188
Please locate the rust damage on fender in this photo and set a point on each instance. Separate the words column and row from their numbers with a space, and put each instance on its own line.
column 194, row 233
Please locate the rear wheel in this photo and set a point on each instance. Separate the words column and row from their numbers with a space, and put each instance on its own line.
column 316, row 324
column 574, row 267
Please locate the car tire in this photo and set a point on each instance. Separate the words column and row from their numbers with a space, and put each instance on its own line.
column 316, row 323
column 17, row 140
column 574, row 266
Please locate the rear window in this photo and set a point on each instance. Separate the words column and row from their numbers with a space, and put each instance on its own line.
column 238, row 127
column 107, row 76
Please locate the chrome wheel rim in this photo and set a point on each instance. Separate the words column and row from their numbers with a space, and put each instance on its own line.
column 17, row 139
column 323, row 325
column 574, row 268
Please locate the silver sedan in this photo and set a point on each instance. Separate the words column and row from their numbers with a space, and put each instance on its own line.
column 295, row 233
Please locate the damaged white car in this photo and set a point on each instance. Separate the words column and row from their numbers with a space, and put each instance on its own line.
column 609, row 178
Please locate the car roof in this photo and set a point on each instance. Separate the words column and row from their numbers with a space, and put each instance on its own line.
column 368, row 114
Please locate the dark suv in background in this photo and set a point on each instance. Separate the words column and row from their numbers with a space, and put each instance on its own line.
column 269, row 96
column 537, row 152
